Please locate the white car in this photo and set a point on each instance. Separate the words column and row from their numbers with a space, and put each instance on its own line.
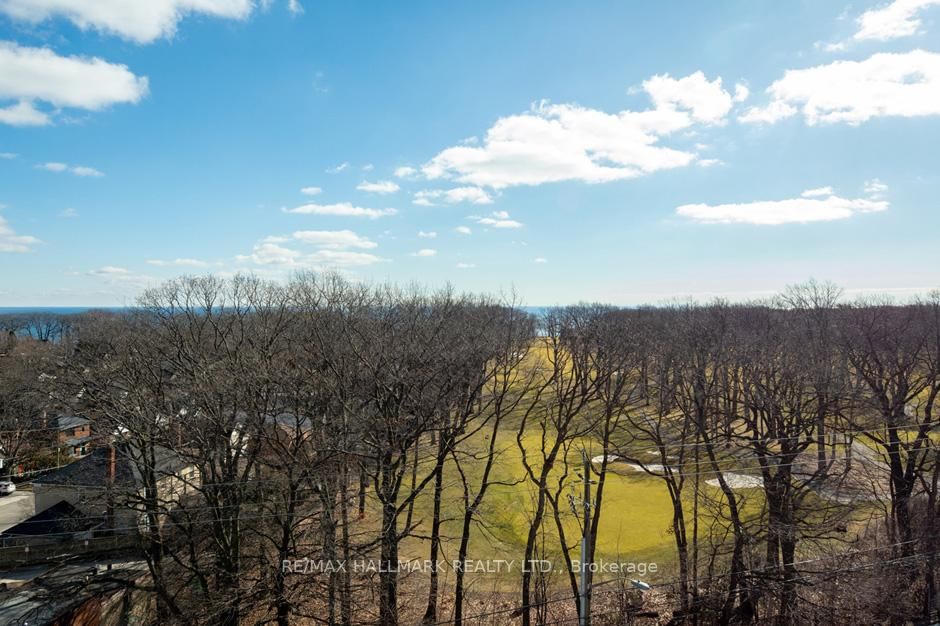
column 6, row 488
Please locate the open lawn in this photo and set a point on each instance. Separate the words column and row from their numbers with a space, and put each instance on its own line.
column 635, row 521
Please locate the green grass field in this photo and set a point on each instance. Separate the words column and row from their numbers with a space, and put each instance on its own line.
column 636, row 513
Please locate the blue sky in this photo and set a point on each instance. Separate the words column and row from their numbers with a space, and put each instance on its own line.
column 613, row 151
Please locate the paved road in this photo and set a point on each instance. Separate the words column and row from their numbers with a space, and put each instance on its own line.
column 15, row 508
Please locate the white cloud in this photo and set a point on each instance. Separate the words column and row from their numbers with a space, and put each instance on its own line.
column 110, row 270
column 382, row 187
column 28, row 75
column 295, row 7
column 68, row 212
column 334, row 239
column 705, row 100
column 709, row 162
column 269, row 253
column 540, row 259
column 332, row 250
column 178, row 263
column 815, row 207
column 405, row 172
column 558, row 142
column 344, row 209
column 368, row 167
column 336, row 169
column 770, row 114
column 81, row 170
column 473, row 195
column 310, row 191
column 817, row 192
column 466, row 266
column 463, row 230
column 8, row 155
column 837, row 46
column 875, row 188
column 427, row 234
column 886, row 84
column 499, row 219
column 78, row 170
column 23, row 113
column 425, row 252
column 52, row 167
column 141, row 21
column 897, row 19
column 12, row 242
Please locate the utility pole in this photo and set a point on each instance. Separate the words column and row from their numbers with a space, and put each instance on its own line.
column 585, row 616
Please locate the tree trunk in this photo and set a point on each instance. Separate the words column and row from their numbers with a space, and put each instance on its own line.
column 430, row 614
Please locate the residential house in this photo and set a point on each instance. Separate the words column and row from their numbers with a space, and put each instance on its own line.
column 106, row 484
column 74, row 435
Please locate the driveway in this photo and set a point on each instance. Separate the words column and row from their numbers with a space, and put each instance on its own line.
column 15, row 508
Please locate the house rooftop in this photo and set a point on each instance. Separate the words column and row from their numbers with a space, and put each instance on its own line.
column 92, row 471
column 59, row 519
column 65, row 422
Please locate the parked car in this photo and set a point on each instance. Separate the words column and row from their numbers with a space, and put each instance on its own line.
column 6, row 488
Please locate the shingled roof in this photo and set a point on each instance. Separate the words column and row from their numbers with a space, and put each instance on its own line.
column 93, row 470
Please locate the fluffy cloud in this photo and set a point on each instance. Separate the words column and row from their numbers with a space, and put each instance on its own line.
column 78, row 170
column 427, row 234
column 122, row 277
column 142, row 22
column 466, row 266
column 383, row 187
column 177, row 263
column 344, row 209
column 813, row 205
column 817, row 192
column 705, row 100
column 310, row 191
column 336, row 169
column 473, row 195
column 405, row 172
column 23, row 113
column 110, row 270
column 897, row 19
column 557, row 142
column 81, row 170
column 540, row 259
column 463, row 230
column 498, row 219
column 332, row 250
column 28, row 75
column 886, row 84
column 12, row 242
column 425, row 252
column 875, row 188
column 333, row 239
